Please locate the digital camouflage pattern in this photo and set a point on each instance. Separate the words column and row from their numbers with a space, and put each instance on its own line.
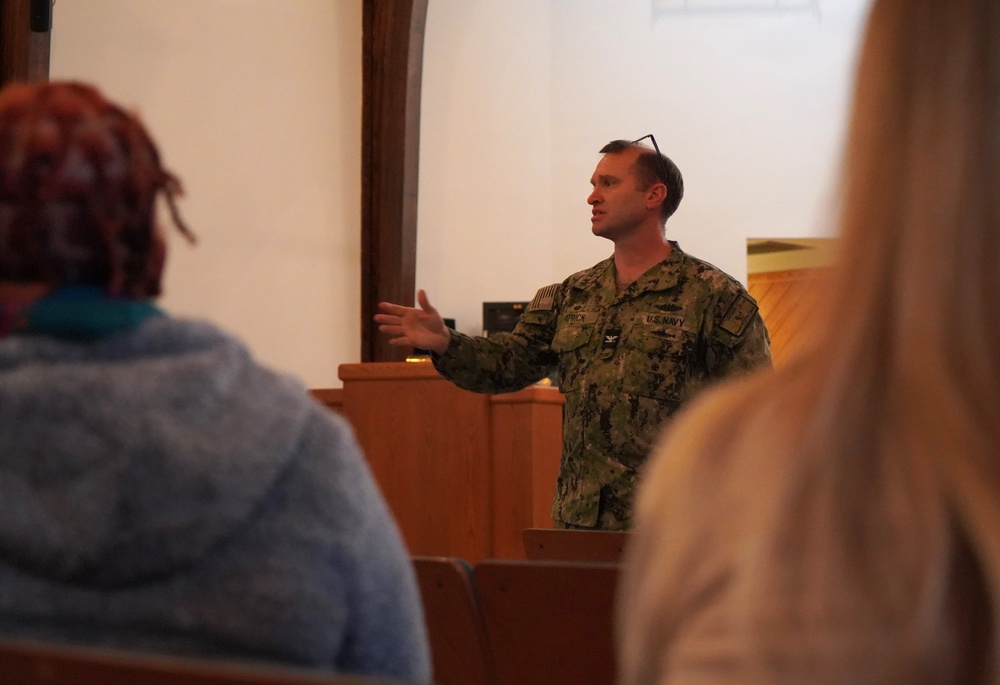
column 626, row 363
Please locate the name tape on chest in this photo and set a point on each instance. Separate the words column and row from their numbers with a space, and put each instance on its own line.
column 740, row 313
column 578, row 318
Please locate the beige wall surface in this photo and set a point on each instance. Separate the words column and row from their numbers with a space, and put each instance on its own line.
column 256, row 105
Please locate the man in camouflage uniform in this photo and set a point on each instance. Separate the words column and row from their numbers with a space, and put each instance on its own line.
column 633, row 338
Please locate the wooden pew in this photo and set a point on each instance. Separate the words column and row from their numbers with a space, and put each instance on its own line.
column 455, row 627
column 36, row 663
column 560, row 544
column 549, row 623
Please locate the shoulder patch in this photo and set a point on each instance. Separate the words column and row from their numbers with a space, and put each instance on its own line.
column 544, row 299
column 741, row 311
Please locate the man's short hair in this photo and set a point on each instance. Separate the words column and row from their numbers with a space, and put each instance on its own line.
column 651, row 168
column 79, row 177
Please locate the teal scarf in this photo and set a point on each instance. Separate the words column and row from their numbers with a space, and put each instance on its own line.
column 76, row 312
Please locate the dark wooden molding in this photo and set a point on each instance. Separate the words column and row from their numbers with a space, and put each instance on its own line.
column 24, row 54
column 392, row 63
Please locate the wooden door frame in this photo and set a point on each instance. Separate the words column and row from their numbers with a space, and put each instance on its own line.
column 393, row 47
column 24, row 53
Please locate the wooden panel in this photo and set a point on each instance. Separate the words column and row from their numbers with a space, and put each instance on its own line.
column 331, row 398
column 527, row 446
column 464, row 473
column 549, row 623
column 787, row 301
column 428, row 445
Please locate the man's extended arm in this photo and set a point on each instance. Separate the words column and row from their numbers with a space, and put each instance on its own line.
column 506, row 363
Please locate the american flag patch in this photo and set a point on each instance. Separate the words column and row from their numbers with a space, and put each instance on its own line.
column 544, row 299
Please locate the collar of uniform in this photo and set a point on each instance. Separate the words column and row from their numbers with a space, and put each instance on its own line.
column 665, row 277
column 598, row 281
column 662, row 276
column 601, row 276
column 595, row 276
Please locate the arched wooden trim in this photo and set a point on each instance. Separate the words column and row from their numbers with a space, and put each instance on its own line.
column 392, row 65
column 24, row 54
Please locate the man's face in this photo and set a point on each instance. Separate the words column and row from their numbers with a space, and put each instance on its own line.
column 617, row 204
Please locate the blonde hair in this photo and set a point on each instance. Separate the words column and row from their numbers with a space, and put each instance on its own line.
column 857, row 489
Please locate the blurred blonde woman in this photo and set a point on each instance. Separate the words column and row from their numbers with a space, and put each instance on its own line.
column 838, row 520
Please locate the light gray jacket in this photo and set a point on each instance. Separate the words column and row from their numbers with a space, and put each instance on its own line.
column 161, row 491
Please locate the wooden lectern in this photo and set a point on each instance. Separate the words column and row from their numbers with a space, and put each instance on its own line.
column 464, row 473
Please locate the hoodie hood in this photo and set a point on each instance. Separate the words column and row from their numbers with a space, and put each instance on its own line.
column 128, row 458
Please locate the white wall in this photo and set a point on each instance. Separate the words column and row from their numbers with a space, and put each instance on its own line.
column 519, row 96
column 485, row 208
column 256, row 105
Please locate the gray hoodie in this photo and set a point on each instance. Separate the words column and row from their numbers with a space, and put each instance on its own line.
column 161, row 491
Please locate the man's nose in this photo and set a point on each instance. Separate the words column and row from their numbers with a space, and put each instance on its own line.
column 593, row 199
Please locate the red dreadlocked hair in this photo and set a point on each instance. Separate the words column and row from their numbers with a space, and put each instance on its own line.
column 79, row 178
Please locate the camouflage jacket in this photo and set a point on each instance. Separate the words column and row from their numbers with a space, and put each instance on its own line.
column 626, row 362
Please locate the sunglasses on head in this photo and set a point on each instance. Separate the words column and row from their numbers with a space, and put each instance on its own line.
column 659, row 156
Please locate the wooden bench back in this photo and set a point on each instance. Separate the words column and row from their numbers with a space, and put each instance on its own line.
column 459, row 650
column 549, row 623
column 37, row 663
column 559, row 544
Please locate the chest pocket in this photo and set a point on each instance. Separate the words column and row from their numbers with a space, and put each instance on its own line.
column 571, row 343
column 657, row 363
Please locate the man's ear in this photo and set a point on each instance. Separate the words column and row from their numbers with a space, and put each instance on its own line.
column 656, row 195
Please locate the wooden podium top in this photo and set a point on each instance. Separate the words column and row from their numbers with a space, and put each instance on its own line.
column 387, row 371
column 424, row 370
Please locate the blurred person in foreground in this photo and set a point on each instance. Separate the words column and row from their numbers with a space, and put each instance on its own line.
column 838, row 521
column 159, row 490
